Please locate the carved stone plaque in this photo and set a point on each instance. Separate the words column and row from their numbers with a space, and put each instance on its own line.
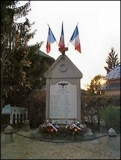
column 63, row 100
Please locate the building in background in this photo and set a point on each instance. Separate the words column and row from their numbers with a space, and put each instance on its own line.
column 13, row 115
column 112, row 86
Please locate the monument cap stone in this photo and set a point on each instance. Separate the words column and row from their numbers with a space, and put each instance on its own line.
column 8, row 129
column 111, row 132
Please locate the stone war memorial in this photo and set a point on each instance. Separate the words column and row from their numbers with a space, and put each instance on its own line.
column 63, row 92
column 63, row 97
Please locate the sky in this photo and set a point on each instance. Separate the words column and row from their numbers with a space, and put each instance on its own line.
column 98, row 25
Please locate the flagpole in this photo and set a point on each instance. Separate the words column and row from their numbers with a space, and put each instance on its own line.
column 68, row 44
column 49, row 27
column 77, row 23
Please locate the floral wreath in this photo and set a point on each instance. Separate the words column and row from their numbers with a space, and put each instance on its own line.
column 75, row 125
column 51, row 125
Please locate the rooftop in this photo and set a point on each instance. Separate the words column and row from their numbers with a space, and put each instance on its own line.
column 114, row 73
column 44, row 54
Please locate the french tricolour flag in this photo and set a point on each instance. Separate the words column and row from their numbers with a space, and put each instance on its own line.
column 75, row 40
column 61, row 42
column 51, row 39
column 50, row 125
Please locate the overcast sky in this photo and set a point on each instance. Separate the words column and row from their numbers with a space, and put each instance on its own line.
column 99, row 30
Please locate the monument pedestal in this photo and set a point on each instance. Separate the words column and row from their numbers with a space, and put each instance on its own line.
column 63, row 91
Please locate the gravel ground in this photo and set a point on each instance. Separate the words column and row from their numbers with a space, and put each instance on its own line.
column 25, row 148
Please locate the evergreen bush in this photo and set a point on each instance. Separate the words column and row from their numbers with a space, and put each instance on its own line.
column 111, row 114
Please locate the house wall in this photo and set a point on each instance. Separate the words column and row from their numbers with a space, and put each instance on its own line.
column 114, row 81
column 112, row 92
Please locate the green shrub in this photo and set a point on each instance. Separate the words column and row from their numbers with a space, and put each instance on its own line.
column 111, row 115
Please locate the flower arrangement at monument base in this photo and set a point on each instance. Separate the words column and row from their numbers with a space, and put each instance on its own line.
column 65, row 131
column 75, row 127
column 50, row 127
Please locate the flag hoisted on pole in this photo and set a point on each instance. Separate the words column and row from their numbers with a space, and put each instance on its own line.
column 75, row 40
column 51, row 39
column 61, row 44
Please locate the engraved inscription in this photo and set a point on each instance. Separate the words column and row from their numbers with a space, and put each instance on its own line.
column 63, row 100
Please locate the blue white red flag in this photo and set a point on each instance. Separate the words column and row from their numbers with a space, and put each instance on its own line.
column 51, row 39
column 72, row 125
column 61, row 42
column 51, row 125
column 75, row 40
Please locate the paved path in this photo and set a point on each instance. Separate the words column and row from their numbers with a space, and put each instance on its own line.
column 25, row 148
